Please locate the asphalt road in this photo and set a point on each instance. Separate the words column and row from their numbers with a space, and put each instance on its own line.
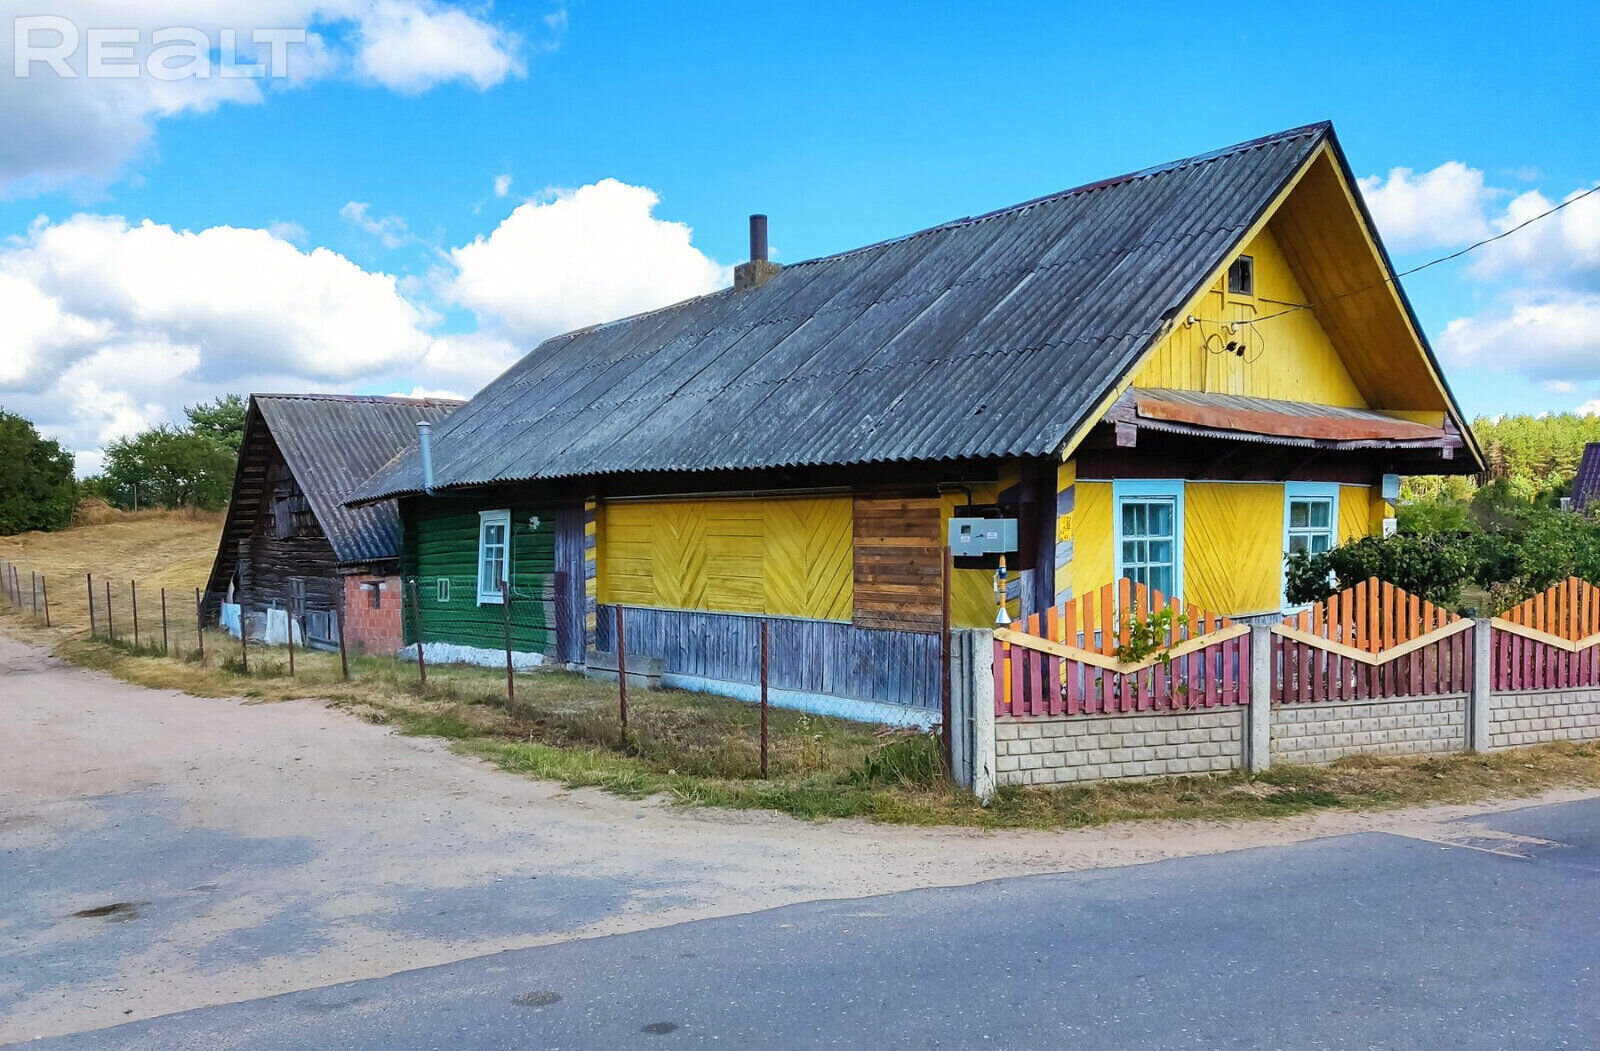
column 1491, row 940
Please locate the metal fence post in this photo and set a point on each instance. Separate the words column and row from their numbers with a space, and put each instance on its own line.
column 505, row 619
column 622, row 673
column 764, row 697
column 1258, row 718
column 44, row 593
column 164, row 647
column 133, row 590
column 416, row 620
column 89, row 577
column 200, row 625
column 111, row 624
column 947, row 738
column 33, row 586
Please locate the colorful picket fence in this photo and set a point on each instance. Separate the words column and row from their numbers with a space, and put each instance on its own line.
column 1066, row 662
column 1370, row 641
column 1549, row 642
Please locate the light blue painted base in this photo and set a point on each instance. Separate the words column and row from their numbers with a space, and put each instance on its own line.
column 817, row 703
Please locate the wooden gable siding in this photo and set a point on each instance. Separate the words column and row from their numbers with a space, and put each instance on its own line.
column 1290, row 357
column 898, row 563
column 441, row 543
column 280, row 552
column 780, row 556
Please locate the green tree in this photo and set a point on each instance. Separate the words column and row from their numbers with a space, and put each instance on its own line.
column 37, row 490
column 221, row 420
column 166, row 467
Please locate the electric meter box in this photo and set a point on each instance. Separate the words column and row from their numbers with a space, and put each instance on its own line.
column 978, row 537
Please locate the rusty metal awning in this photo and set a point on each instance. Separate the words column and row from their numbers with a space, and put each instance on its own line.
column 1243, row 418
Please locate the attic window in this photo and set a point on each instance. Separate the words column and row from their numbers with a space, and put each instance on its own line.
column 1242, row 277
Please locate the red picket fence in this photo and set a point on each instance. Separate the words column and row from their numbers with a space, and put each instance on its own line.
column 1549, row 642
column 1065, row 663
column 1370, row 641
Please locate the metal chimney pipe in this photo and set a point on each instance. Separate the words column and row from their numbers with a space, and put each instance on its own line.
column 758, row 239
column 425, row 448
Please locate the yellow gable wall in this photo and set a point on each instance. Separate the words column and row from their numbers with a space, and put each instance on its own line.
column 784, row 556
column 1289, row 357
column 1232, row 540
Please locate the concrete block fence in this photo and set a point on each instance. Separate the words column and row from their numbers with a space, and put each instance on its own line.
column 1456, row 700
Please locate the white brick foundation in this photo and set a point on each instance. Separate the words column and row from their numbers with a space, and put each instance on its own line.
column 1517, row 720
column 1065, row 749
column 1321, row 733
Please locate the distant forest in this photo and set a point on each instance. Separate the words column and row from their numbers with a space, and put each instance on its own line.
column 1532, row 459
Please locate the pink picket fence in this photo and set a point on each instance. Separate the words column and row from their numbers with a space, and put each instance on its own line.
column 1066, row 662
column 1549, row 642
column 1370, row 642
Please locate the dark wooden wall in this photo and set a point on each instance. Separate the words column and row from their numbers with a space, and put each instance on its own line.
column 898, row 563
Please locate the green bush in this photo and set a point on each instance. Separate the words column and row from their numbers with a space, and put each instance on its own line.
column 1431, row 567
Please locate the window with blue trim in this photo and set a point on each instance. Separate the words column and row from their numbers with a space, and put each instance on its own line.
column 1149, row 533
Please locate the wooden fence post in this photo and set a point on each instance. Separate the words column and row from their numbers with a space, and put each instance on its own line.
column 111, row 624
column 44, row 592
column 200, row 625
column 505, row 618
column 244, row 640
column 622, row 673
column 763, row 697
column 344, row 654
column 133, row 590
column 288, row 619
column 89, row 577
column 164, row 646
column 416, row 614
column 33, row 586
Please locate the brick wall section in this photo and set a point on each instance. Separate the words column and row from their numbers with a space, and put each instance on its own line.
column 1517, row 720
column 1321, row 733
column 1063, row 750
column 372, row 630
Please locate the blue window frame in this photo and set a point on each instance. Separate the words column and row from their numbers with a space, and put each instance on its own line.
column 1147, row 518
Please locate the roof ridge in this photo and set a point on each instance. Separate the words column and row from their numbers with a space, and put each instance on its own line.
column 384, row 399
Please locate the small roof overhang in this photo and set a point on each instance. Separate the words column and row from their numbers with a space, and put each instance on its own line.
column 1295, row 424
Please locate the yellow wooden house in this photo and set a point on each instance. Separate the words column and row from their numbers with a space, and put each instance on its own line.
column 1174, row 376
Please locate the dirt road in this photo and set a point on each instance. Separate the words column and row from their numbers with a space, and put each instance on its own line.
column 160, row 852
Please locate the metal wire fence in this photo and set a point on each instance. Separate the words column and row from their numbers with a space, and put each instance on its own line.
column 474, row 655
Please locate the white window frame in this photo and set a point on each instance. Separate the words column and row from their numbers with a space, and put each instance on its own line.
column 1293, row 491
column 1140, row 490
column 441, row 591
column 485, row 520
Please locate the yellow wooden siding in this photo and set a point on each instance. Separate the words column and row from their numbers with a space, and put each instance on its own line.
column 782, row 556
column 1289, row 357
column 1233, row 546
column 1355, row 513
column 1093, row 564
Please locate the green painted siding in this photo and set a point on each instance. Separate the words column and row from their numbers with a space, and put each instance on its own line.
column 441, row 541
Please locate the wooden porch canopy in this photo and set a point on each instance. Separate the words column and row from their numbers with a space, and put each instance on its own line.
column 1271, row 421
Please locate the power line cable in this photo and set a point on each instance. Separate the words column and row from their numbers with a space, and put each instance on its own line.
column 1432, row 262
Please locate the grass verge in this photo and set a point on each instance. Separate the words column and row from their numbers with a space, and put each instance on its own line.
column 702, row 750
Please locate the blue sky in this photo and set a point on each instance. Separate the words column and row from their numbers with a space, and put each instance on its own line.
column 847, row 123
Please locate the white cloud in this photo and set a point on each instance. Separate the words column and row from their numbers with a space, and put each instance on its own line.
column 502, row 185
column 391, row 230
column 56, row 130
column 1552, row 336
column 1589, row 408
column 1445, row 206
column 580, row 257
column 112, row 326
column 1566, row 243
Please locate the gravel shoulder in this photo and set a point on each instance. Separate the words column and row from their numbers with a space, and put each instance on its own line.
column 256, row 849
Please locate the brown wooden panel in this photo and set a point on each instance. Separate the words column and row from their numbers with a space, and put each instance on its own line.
column 897, row 552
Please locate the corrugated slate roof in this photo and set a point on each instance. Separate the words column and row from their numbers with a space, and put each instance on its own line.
column 991, row 336
column 1586, row 486
column 333, row 443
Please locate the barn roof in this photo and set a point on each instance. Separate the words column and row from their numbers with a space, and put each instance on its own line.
column 331, row 444
column 1586, row 486
column 992, row 336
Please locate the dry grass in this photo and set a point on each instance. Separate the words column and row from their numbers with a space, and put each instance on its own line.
column 703, row 750
column 159, row 549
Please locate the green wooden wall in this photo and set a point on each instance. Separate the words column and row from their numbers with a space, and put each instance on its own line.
column 441, row 541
